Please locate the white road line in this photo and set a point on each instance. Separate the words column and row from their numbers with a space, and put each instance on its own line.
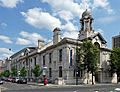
column 117, row 89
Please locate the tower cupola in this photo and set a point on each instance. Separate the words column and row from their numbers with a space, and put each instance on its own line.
column 86, row 25
column 86, row 21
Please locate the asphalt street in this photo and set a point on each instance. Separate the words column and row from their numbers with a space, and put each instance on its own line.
column 13, row 87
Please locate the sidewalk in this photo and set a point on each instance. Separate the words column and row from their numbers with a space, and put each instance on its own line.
column 80, row 85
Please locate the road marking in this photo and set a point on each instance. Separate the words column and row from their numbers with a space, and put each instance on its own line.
column 117, row 89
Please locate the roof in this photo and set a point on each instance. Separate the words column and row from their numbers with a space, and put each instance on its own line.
column 86, row 14
column 56, row 29
column 106, row 49
column 63, row 41
column 23, row 50
column 100, row 36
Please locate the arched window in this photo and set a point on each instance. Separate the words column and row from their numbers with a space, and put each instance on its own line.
column 97, row 45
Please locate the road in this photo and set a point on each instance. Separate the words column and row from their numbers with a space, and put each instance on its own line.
column 12, row 87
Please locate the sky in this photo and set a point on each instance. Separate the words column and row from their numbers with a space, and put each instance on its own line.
column 23, row 22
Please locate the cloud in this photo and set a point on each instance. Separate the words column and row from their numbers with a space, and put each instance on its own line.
column 107, row 20
column 28, row 38
column 39, row 19
column 5, row 39
column 69, row 27
column 103, row 4
column 10, row 3
column 3, row 24
column 71, row 34
column 22, row 41
column 76, row 7
column 66, row 15
column 68, row 10
column 5, row 52
column 66, row 5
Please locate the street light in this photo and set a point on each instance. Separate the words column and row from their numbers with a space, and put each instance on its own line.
column 76, row 65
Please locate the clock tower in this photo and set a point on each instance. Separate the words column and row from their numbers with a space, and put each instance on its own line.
column 86, row 25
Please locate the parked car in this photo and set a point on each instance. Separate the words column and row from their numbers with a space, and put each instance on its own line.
column 22, row 81
column 1, row 81
column 9, row 79
column 15, row 79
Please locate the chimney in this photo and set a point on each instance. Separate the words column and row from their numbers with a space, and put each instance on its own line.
column 40, row 43
column 56, row 36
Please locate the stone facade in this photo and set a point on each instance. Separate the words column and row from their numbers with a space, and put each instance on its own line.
column 59, row 57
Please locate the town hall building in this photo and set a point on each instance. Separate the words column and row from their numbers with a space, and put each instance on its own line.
column 57, row 59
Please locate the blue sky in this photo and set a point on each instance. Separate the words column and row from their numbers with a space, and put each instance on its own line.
column 23, row 22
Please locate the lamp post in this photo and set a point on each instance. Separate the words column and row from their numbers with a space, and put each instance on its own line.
column 76, row 76
column 76, row 65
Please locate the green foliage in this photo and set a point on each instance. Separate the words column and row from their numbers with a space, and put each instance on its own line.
column 36, row 71
column 87, row 57
column 88, row 54
column 23, row 72
column 115, row 61
column 13, row 71
column 6, row 73
column 1, row 74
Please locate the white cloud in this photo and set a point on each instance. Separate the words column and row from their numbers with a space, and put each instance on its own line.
column 66, row 15
column 10, row 3
column 66, row 5
column 69, row 27
column 5, row 39
column 22, row 41
column 103, row 4
column 5, row 52
column 40, row 19
column 28, row 38
column 3, row 24
column 76, row 7
column 71, row 34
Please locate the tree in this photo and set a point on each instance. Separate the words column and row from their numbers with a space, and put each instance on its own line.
column 88, row 56
column 23, row 72
column 36, row 71
column 1, row 74
column 6, row 73
column 13, row 71
column 115, row 61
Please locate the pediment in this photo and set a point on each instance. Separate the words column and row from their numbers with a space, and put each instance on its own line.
column 98, row 36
